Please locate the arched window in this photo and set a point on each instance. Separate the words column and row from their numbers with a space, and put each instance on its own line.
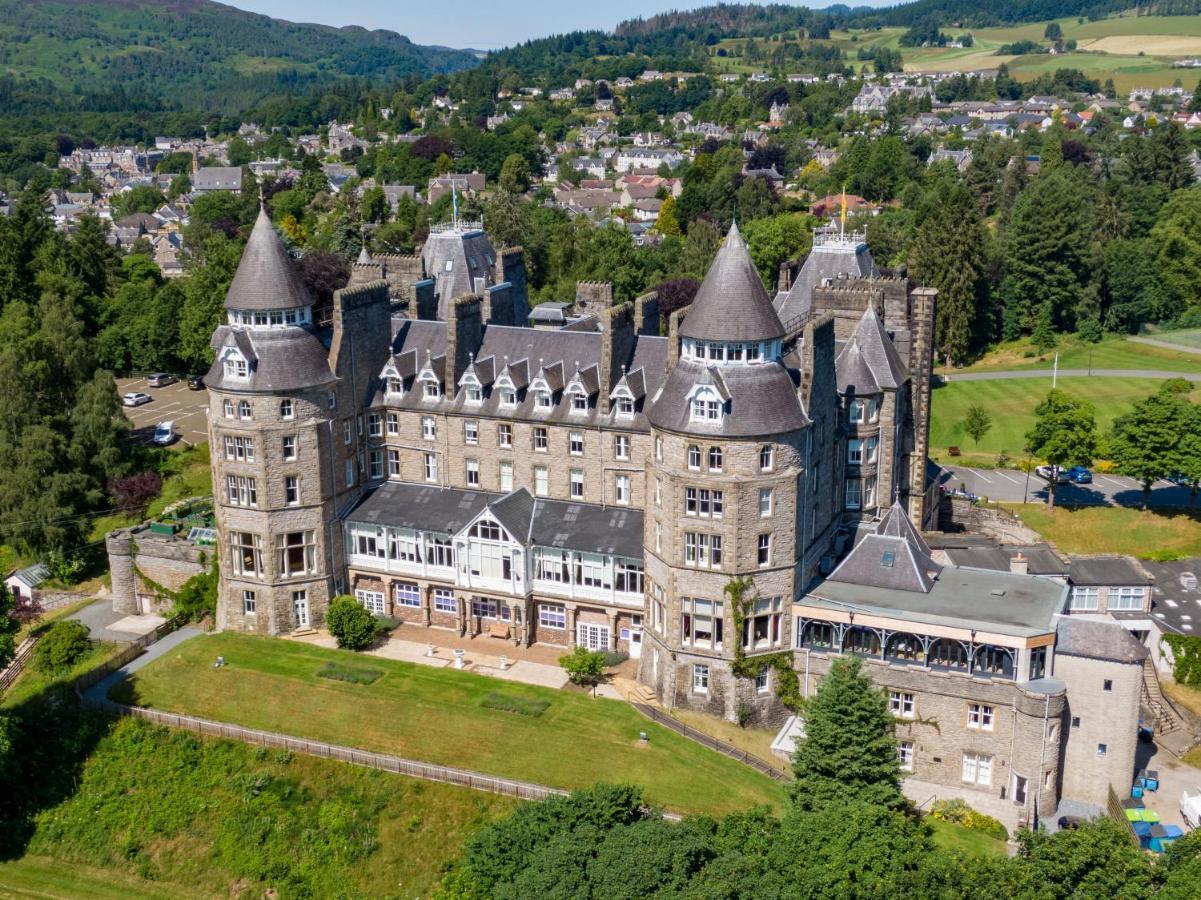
column 228, row 408
column 949, row 654
column 244, row 410
column 905, row 648
column 819, row 636
column 993, row 662
column 861, row 641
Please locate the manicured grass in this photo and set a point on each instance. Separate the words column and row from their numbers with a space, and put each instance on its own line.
column 1011, row 403
column 1185, row 337
column 435, row 715
column 350, row 674
column 950, row 836
column 1111, row 353
column 52, row 879
column 755, row 741
column 1115, row 529
column 227, row 819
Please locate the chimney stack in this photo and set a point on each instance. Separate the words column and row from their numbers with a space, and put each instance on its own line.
column 1018, row 564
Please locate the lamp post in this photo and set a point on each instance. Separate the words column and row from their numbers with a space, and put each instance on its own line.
column 1026, row 489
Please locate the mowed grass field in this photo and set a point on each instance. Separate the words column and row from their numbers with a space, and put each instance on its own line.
column 1185, row 337
column 1115, row 529
column 1011, row 403
column 435, row 715
column 1111, row 353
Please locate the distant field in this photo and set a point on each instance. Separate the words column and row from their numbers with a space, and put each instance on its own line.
column 1187, row 337
column 1111, row 353
column 1114, row 529
column 1011, row 403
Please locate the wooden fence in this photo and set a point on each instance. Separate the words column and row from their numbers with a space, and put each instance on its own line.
column 755, row 762
column 1118, row 814
column 19, row 661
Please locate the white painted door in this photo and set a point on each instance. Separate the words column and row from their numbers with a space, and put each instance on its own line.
column 301, row 606
column 636, row 637
column 594, row 637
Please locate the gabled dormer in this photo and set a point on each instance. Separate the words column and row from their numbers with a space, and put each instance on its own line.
column 581, row 388
column 393, row 383
column 429, row 378
column 708, row 403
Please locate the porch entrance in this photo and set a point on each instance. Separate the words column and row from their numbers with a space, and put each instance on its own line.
column 594, row 637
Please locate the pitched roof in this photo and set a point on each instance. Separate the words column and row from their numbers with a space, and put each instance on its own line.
column 266, row 277
column 1116, row 571
column 762, row 400
column 896, row 556
column 732, row 304
column 1097, row 640
column 869, row 361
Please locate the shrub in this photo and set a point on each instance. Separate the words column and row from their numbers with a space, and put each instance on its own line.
column 523, row 706
column 959, row 813
column 615, row 658
column 351, row 623
column 63, row 646
column 135, row 491
column 583, row 666
column 351, row 674
column 197, row 597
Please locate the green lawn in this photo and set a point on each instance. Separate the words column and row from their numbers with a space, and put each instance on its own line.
column 1011, row 403
column 1111, row 353
column 1185, row 337
column 45, row 878
column 186, row 474
column 1115, row 529
column 33, row 682
column 436, row 715
column 950, row 836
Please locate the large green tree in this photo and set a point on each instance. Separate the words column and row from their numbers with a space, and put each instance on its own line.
column 1045, row 251
column 1064, row 433
column 1176, row 238
column 848, row 749
column 948, row 253
column 1146, row 442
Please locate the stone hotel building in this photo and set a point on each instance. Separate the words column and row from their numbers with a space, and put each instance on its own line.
column 420, row 447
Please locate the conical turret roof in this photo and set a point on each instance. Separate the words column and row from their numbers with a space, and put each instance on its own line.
column 732, row 304
column 266, row 277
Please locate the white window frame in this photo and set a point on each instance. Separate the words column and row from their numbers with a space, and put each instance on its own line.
column 901, row 704
column 980, row 716
column 700, row 678
column 621, row 490
column 976, row 769
column 766, row 502
column 905, row 755
column 1085, row 598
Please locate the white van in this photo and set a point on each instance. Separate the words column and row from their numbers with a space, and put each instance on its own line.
column 164, row 433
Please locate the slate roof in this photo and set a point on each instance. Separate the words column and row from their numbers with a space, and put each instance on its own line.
column 1097, row 640
column 762, row 400
column 827, row 260
column 471, row 259
column 868, row 361
column 611, row 530
column 266, row 277
column 217, row 178
column 731, row 303
column 1117, row 571
column 1040, row 559
column 895, row 557
column 280, row 359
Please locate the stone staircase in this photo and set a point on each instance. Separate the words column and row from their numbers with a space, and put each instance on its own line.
column 640, row 693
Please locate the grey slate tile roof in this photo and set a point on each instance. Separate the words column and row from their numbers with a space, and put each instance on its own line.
column 280, row 359
column 731, row 303
column 217, row 178
column 1040, row 558
column 868, row 361
column 470, row 257
column 895, row 557
column 826, row 260
column 762, row 401
column 611, row 530
column 1097, row 640
column 1117, row 571
column 266, row 277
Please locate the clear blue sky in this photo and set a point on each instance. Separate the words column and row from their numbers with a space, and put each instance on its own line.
column 483, row 24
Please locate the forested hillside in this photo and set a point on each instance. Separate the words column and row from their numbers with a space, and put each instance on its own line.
column 164, row 54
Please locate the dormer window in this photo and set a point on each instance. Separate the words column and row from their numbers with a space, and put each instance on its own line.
column 235, row 367
column 475, row 394
column 542, row 400
column 625, row 406
column 706, row 408
column 508, row 397
column 432, row 390
column 395, row 386
column 579, row 402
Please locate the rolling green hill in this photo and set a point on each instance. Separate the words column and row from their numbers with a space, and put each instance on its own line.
column 196, row 51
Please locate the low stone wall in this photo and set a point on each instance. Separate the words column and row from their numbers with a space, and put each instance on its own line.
column 137, row 557
column 960, row 514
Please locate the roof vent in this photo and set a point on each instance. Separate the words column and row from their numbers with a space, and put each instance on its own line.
column 888, row 559
column 997, row 592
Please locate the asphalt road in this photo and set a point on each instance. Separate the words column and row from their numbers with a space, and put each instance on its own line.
column 1011, row 485
column 187, row 409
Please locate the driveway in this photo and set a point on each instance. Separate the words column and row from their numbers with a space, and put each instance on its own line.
column 1174, row 778
column 187, row 409
column 1066, row 373
column 1013, row 486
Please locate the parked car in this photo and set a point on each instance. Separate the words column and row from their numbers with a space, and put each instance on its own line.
column 196, row 383
column 136, row 398
column 164, row 433
column 1052, row 473
column 1190, row 808
column 161, row 379
column 1079, row 475
column 1180, row 478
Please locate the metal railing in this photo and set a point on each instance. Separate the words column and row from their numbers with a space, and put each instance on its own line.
column 749, row 759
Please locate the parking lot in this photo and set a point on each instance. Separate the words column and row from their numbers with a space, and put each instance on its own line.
column 187, row 409
column 1012, row 486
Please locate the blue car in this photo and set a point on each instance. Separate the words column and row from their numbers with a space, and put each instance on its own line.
column 1079, row 475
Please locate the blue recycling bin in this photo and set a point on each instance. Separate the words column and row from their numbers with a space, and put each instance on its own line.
column 1162, row 836
column 1142, row 830
column 1136, row 791
column 1151, row 781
